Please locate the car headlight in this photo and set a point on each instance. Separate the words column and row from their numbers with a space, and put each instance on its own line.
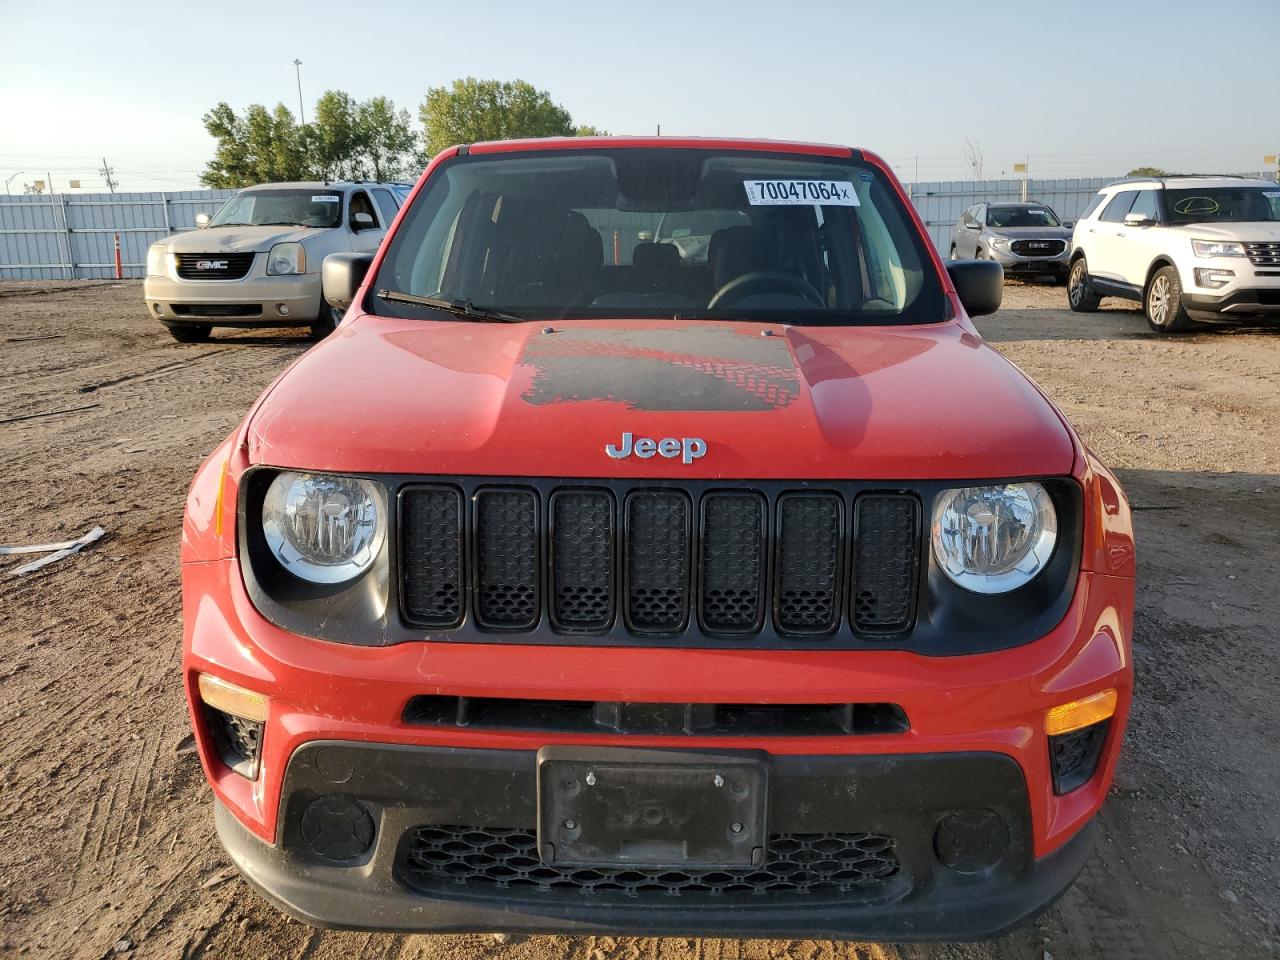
column 285, row 259
column 156, row 254
column 993, row 539
column 1000, row 242
column 1217, row 248
column 324, row 528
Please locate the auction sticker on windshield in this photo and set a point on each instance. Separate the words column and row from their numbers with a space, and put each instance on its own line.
column 778, row 193
column 326, row 198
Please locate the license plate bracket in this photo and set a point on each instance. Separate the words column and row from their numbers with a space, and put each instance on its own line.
column 651, row 809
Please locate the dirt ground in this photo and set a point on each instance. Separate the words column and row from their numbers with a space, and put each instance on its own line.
column 105, row 822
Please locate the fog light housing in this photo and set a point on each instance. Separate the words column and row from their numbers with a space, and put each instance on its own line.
column 1074, row 756
column 1213, row 277
column 235, row 717
column 282, row 309
column 337, row 829
column 971, row 841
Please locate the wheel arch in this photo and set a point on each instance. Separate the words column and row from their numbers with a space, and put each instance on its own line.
column 1159, row 263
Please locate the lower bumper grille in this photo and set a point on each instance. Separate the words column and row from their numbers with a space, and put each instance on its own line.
column 832, row 865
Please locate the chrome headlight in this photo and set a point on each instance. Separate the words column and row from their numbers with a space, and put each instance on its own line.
column 324, row 528
column 994, row 539
column 156, row 254
column 286, row 259
column 1217, row 248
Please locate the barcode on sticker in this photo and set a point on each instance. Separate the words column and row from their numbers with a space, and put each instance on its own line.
column 326, row 198
column 777, row 193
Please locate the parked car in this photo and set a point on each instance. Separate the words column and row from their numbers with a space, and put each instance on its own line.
column 256, row 262
column 1186, row 248
column 1027, row 239
column 562, row 593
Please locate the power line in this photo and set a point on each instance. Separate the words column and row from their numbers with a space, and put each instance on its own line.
column 107, row 172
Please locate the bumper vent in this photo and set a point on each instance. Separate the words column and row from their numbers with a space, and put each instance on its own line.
column 651, row 563
column 239, row 741
column 1075, row 756
column 831, row 866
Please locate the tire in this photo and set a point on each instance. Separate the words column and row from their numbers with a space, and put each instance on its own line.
column 1081, row 297
column 189, row 332
column 327, row 322
column 978, row 254
column 1162, row 302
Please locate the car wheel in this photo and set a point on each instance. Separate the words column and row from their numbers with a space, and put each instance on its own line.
column 327, row 322
column 189, row 332
column 1163, row 302
column 978, row 254
column 1080, row 295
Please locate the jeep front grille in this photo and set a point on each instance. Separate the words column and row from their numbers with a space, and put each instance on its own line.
column 601, row 558
column 1263, row 254
column 213, row 266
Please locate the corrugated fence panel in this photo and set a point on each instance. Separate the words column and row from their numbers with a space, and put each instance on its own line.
column 72, row 236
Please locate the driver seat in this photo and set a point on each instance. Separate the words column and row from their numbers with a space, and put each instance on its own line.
column 736, row 251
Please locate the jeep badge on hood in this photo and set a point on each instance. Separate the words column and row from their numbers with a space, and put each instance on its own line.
column 688, row 449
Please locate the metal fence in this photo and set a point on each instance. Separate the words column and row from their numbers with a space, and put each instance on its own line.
column 72, row 236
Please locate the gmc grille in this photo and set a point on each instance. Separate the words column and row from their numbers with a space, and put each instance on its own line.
column 1263, row 254
column 658, row 562
column 1038, row 248
column 213, row 266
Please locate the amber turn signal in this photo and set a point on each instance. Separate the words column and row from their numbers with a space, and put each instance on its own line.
column 1080, row 713
column 229, row 698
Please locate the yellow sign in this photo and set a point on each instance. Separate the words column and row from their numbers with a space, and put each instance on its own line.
column 75, row 184
column 1269, row 159
column 39, row 186
column 1019, row 168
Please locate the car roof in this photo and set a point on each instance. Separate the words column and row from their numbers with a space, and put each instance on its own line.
column 1018, row 204
column 669, row 143
column 322, row 185
column 1180, row 183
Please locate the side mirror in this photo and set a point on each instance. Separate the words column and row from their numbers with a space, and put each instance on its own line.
column 973, row 225
column 362, row 221
column 1069, row 224
column 1138, row 220
column 341, row 275
column 978, row 283
column 202, row 220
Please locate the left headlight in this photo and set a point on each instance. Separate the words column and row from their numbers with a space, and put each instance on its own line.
column 1217, row 248
column 156, row 254
column 324, row 528
column 993, row 539
column 1001, row 242
column 285, row 259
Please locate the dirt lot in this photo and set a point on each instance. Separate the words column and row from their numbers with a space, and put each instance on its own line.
column 105, row 826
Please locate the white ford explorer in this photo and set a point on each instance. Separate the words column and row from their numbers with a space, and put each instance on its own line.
column 1188, row 248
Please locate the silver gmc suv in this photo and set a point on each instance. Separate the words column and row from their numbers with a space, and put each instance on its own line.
column 256, row 263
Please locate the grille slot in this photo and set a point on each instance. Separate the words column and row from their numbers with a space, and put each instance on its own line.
column 807, row 568
column 657, row 533
column 213, row 266
column 431, row 544
column 582, row 541
column 507, row 558
column 886, row 557
column 732, row 562
column 818, row 866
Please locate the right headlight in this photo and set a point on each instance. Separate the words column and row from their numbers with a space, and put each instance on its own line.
column 993, row 539
column 155, row 260
column 324, row 528
column 1217, row 248
column 286, row 259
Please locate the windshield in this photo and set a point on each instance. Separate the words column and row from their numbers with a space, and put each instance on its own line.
column 640, row 232
column 1223, row 204
column 1022, row 217
column 306, row 207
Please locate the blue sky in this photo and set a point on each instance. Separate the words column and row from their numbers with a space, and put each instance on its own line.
column 1082, row 88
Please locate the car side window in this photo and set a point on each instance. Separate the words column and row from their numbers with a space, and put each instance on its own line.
column 1094, row 204
column 1119, row 206
column 387, row 204
column 1146, row 203
column 360, row 203
column 980, row 214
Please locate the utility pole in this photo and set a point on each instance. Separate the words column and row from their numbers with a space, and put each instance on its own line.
column 297, row 69
column 108, row 175
column 659, row 129
column 10, row 180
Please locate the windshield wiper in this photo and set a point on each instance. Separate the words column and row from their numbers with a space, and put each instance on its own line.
column 459, row 308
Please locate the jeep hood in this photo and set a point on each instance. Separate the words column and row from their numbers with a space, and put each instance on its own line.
column 236, row 239
column 396, row 396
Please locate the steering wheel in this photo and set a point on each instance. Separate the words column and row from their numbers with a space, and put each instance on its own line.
column 759, row 281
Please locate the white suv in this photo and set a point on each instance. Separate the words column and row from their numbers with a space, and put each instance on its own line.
column 1187, row 248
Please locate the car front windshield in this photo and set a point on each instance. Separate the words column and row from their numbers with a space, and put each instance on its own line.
column 1022, row 217
column 660, row 232
column 1223, row 205
column 306, row 207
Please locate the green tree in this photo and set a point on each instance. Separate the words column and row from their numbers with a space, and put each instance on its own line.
column 386, row 138
column 336, row 135
column 587, row 130
column 1149, row 172
column 471, row 110
column 259, row 147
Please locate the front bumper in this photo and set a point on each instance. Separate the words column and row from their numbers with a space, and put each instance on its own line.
column 256, row 301
column 1239, row 304
column 476, row 800
column 1044, row 266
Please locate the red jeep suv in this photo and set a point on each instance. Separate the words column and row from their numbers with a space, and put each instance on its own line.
column 657, row 548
